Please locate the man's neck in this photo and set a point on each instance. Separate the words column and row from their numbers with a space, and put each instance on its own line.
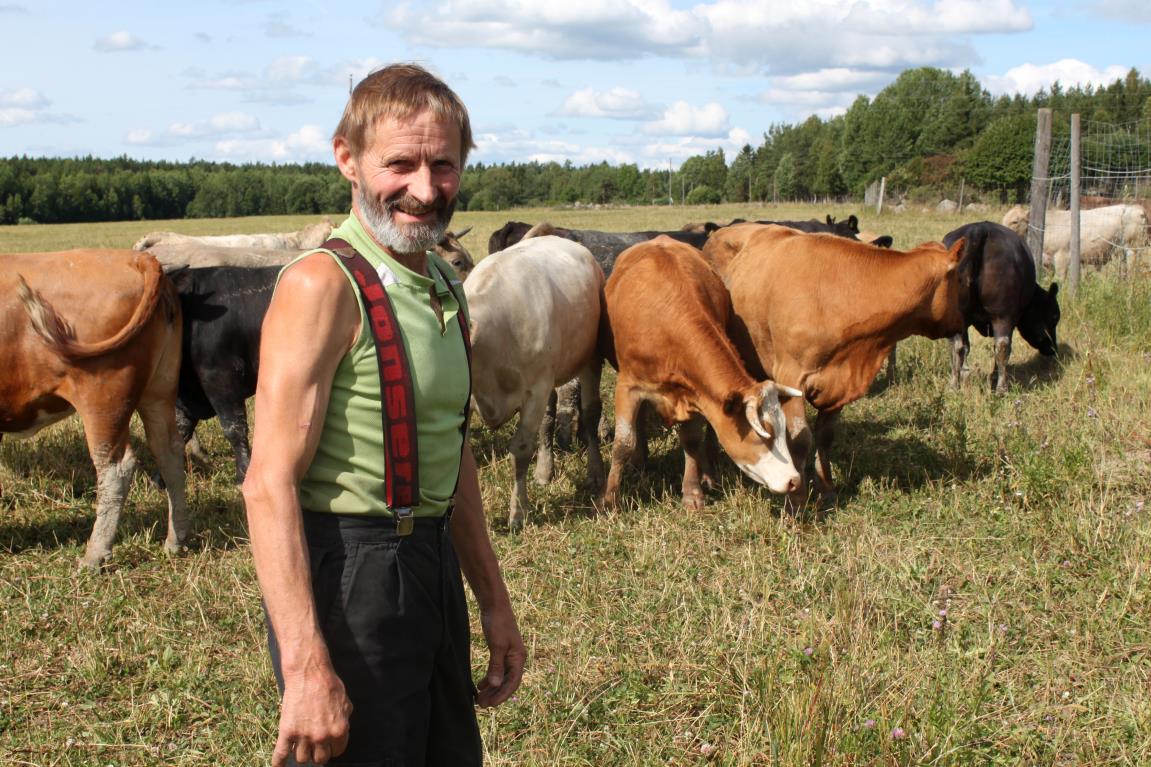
column 417, row 262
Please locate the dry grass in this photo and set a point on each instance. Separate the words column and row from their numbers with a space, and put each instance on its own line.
column 735, row 636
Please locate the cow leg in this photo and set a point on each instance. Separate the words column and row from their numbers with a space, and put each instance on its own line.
column 186, row 428
column 234, row 421
column 691, row 439
column 799, row 445
column 824, row 434
column 167, row 447
column 638, row 455
column 709, row 461
column 1003, row 332
column 545, row 456
column 960, row 345
column 627, row 407
column 591, row 407
column 114, row 461
column 522, row 447
column 567, row 413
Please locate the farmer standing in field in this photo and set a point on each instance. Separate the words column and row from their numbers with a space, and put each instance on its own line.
column 349, row 507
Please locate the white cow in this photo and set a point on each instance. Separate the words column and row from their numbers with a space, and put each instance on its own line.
column 1101, row 232
column 311, row 236
column 535, row 312
column 192, row 253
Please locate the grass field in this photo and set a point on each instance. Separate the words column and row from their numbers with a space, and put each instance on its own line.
column 981, row 595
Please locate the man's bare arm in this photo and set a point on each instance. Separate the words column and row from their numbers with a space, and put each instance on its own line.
column 478, row 561
column 310, row 325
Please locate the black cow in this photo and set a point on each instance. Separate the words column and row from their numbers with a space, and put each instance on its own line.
column 998, row 294
column 223, row 309
column 848, row 228
column 605, row 246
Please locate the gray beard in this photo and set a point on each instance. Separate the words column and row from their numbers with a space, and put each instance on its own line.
column 406, row 238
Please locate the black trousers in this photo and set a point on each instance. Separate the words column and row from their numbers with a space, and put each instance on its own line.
column 393, row 612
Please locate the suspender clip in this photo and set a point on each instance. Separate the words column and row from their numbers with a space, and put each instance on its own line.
column 405, row 522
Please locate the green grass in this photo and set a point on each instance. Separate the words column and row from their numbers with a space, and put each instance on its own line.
column 734, row 636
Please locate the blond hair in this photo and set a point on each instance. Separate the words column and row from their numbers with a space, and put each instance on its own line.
column 399, row 91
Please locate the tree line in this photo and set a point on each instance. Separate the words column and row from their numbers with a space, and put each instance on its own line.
column 924, row 133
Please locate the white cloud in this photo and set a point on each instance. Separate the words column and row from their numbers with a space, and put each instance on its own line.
column 1028, row 79
column 593, row 29
column 837, row 79
column 511, row 144
column 228, row 123
column 277, row 27
column 118, row 42
column 308, row 144
column 27, row 106
column 616, row 104
column 682, row 119
column 1131, row 11
column 658, row 153
column 25, row 98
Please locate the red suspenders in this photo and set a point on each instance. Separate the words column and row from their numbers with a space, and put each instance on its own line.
column 398, row 403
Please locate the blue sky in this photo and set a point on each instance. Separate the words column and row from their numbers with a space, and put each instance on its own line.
column 645, row 81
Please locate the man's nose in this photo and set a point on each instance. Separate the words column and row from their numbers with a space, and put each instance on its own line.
column 420, row 184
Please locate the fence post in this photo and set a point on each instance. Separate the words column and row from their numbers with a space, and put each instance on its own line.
column 1073, row 268
column 882, row 191
column 1039, row 186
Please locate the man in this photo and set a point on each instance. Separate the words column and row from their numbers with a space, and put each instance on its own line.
column 368, row 623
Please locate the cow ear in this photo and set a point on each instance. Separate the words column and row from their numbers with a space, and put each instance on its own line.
column 957, row 249
column 462, row 233
column 1053, row 290
column 853, row 223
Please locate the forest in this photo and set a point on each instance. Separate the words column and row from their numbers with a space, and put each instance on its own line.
column 926, row 133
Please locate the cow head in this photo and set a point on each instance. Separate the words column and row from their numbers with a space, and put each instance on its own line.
column 450, row 249
column 1017, row 220
column 755, row 435
column 1041, row 315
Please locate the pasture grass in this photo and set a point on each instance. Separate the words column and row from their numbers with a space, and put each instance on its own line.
column 979, row 596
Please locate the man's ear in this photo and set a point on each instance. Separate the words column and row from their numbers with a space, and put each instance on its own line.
column 344, row 159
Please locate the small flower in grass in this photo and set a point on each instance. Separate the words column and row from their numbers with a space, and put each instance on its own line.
column 707, row 749
column 1091, row 413
column 869, row 724
column 937, row 625
column 898, row 734
column 809, row 651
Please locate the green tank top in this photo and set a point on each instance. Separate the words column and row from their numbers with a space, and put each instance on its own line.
column 346, row 475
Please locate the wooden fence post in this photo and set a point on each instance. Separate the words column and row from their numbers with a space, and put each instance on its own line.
column 1039, row 186
column 1073, row 268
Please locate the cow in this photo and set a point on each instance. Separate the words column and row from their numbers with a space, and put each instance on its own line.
column 821, row 313
column 223, row 310
column 605, row 246
column 311, row 236
column 534, row 313
column 174, row 255
column 998, row 294
column 96, row 332
column 1101, row 232
column 667, row 313
column 848, row 229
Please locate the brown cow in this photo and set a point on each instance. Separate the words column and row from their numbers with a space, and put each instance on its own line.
column 667, row 311
column 821, row 313
column 96, row 332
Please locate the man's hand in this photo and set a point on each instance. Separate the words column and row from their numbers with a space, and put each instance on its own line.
column 506, row 656
column 313, row 719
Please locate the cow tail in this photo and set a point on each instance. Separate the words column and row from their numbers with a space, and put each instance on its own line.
column 59, row 334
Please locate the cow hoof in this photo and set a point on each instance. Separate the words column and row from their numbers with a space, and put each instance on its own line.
column 693, row 501
column 544, row 473
column 95, row 566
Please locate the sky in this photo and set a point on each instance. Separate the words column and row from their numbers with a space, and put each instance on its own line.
column 650, row 82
